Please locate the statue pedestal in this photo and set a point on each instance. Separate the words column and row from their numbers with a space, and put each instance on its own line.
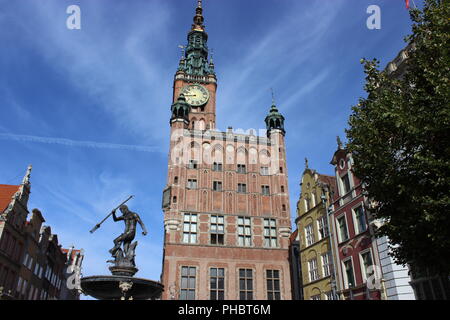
column 126, row 271
column 118, row 287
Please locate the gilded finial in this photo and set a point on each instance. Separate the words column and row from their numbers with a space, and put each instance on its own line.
column 198, row 18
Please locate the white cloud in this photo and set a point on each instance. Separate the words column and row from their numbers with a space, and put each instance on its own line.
column 112, row 61
column 74, row 143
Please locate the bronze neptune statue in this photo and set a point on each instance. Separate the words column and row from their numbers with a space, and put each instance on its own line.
column 122, row 284
column 124, row 249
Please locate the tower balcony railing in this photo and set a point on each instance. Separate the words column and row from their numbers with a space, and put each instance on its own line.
column 195, row 78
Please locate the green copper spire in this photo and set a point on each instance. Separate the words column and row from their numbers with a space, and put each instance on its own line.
column 195, row 61
column 274, row 120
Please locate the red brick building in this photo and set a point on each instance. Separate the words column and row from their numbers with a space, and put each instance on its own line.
column 226, row 203
column 32, row 264
column 355, row 248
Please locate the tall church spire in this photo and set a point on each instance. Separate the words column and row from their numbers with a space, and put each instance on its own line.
column 195, row 61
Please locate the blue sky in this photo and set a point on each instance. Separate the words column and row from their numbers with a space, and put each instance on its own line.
column 90, row 108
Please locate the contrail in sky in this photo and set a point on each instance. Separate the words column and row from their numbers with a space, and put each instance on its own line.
column 74, row 143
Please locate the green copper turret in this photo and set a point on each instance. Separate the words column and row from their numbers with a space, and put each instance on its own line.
column 274, row 120
column 180, row 109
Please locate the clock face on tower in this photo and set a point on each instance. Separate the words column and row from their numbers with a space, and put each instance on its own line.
column 196, row 95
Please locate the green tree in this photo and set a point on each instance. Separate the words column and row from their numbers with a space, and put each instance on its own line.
column 400, row 140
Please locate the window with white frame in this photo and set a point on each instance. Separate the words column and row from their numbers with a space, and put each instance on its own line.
column 30, row 262
column 244, row 231
column 265, row 190
column 245, row 284
column 360, row 218
column 309, row 234
column 190, row 228
column 264, row 171
column 307, row 202
column 322, row 227
column 192, row 184
column 187, row 287
column 312, row 269
column 19, row 284
column 270, row 233
column 241, row 168
column 346, row 184
column 242, row 188
column 327, row 264
column 343, row 231
column 217, row 185
column 273, row 284
column 349, row 275
column 217, row 166
column 313, row 199
column 366, row 259
column 217, row 283
column 192, row 164
column 25, row 259
column 217, row 229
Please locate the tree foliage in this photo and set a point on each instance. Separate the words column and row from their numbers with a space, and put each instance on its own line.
column 400, row 140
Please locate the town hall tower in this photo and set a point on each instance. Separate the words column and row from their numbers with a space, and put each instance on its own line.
column 226, row 202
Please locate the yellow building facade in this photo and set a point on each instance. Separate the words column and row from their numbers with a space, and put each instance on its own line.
column 316, row 258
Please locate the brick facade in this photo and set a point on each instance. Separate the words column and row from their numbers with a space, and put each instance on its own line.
column 226, row 205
